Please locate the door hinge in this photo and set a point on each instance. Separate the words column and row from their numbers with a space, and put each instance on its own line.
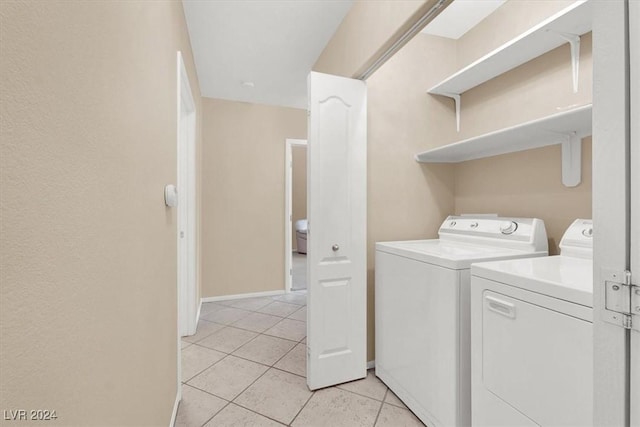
column 622, row 300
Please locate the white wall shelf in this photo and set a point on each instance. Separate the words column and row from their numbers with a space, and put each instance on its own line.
column 566, row 128
column 565, row 26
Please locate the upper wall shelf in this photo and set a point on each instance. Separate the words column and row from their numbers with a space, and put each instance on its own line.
column 566, row 128
column 565, row 26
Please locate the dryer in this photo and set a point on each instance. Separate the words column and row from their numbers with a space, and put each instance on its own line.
column 422, row 309
column 532, row 345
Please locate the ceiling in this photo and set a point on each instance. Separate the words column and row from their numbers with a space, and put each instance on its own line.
column 260, row 51
column 461, row 16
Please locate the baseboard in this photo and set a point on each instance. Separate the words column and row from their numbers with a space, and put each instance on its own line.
column 174, row 414
column 240, row 296
column 371, row 364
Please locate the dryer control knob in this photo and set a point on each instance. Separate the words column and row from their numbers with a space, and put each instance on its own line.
column 587, row 232
column 508, row 227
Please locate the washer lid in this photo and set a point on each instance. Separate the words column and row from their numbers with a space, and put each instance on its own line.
column 564, row 277
column 453, row 255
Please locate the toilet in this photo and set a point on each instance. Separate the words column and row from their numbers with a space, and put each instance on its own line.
column 301, row 236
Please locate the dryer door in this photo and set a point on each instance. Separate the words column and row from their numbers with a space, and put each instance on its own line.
column 537, row 360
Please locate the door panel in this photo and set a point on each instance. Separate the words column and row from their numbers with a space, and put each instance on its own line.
column 336, row 239
column 611, row 214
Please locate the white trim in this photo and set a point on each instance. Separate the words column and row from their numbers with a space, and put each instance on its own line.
column 186, row 213
column 611, row 214
column 185, row 318
column 174, row 414
column 371, row 364
column 288, row 209
column 242, row 296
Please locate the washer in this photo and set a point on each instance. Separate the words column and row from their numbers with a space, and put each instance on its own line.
column 532, row 345
column 422, row 309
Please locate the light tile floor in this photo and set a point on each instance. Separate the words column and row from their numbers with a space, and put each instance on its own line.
column 246, row 366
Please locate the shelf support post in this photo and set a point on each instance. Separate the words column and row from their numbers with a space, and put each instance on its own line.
column 456, row 100
column 572, row 160
column 574, row 42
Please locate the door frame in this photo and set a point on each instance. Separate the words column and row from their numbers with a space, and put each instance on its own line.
column 186, row 212
column 634, row 166
column 288, row 209
column 611, row 210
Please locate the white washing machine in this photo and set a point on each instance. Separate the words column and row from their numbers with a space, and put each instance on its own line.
column 422, row 310
column 532, row 345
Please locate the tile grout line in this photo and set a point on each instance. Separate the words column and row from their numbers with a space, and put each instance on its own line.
column 208, row 392
column 313, row 393
column 213, row 416
column 238, row 395
column 244, row 358
column 283, row 356
column 199, row 372
column 356, row 393
column 256, row 412
column 246, row 330
column 380, row 408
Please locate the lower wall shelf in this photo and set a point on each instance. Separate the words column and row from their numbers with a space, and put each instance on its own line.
column 566, row 128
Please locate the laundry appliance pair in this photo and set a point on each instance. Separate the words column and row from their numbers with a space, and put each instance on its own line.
column 424, row 302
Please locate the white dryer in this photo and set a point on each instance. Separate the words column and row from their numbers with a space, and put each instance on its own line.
column 532, row 345
column 422, row 310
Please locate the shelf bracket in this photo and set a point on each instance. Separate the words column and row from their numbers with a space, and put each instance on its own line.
column 456, row 100
column 572, row 160
column 574, row 42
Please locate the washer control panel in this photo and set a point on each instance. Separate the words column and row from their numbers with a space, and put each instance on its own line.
column 488, row 226
column 496, row 231
column 578, row 239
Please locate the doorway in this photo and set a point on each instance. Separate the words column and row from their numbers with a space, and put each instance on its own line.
column 296, row 215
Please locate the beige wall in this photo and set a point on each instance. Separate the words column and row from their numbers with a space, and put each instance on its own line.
column 407, row 200
column 299, row 188
column 368, row 30
column 88, row 249
column 527, row 183
column 243, row 195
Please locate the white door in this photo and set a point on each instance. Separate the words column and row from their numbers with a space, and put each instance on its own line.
column 336, row 240
column 187, row 304
column 634, row 60
column 611, row 211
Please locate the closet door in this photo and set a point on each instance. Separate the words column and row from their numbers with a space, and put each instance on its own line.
column 336, row 236
column 612, row 188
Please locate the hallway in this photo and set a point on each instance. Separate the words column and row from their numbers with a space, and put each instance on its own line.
column 246, row 365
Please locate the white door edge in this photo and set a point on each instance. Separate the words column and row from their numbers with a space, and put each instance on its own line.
column 288, row 209
column 634, row 62
column 186, row 210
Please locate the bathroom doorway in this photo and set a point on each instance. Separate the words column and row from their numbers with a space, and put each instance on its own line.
column 296, row 215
